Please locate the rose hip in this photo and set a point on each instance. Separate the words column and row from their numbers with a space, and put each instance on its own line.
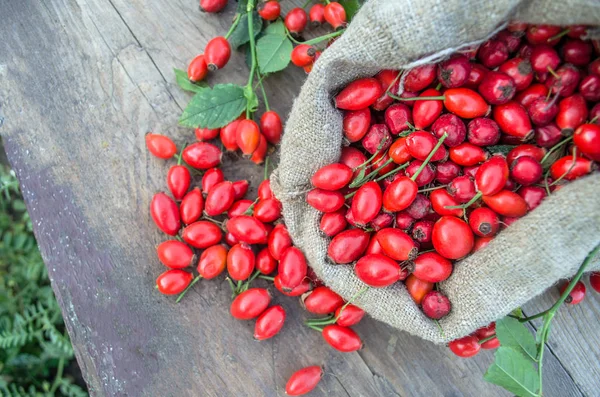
column 476, row 75
column 417, row 288
column 506, row 203
column 250, row 304
column 265, row 263
column 533, row 196
column 213, row 261
column 303, row 381
column 577, row 52
column 220, row 197
column 165, row 214
column 519, row 70
column 377, row 270
column 589, row 88
column 467, row 154
column 419, row 78
column 484, row 222
column 340, row 338
column 421, row 231
column 462, row 188
column 492, row 53
column 359, row 94
column 425, row 177
column 366, row 203
column 432, row 267
column 202, row 155
column 348, row 246
column 542, row 112
column 356, row 124
column 173, row 282
column 569, row 170
column 513, row 120
column 587, row 140
column 295, row 20
column 403, row 222
column 333, row 223
column 160, row 146
column 425, row 112
column 483, row 131
column 526, row 170
column 525, row 150
column 435, row 305
column 420, row 207
column 446, row 171
column 269, row 323
column 452, row 238
column 324, row 200
column 451, row 125
column 497, row 88
column 269, row 10
column 175, row 254
column 321, row 300
column 544, row 58
column 454, row 72
column 441, row 200
column 572, row 112
column 271, row 126
column 247, row 229
column 292, row 268
column 467, row 346
column 378, row 138
column 576, row 295
column 397, row 118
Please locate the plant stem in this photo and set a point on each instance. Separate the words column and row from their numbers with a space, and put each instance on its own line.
column 236, row 21
column 392, row 172
column 552, row 72
column 316, row 40
column 268, row 278
column 554, row 148
column 419, row 98
column 306, row 3
column 58, row 377
column 489, row 338
column 266, row 169
column 435, row 149
column 315, row 327
column 264, row 94
column 570, row 168
column 429, row 189
column 559, row 35
column 249, row 8
column 467, row 205
column 194, row 281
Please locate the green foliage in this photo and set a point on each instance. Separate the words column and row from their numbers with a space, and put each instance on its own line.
column 240, row 34
column 514, row 372
column 513, row 333
column 351, row 7
column 183, row 82
column 273, row 52
column 214, row 108
column 34, row 346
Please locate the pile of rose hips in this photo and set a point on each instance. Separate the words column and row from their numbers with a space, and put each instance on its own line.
column 469, row 146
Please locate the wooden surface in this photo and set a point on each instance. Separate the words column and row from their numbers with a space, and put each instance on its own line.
column 81, row 82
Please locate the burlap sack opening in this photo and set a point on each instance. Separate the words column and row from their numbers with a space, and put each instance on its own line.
column 547, row 245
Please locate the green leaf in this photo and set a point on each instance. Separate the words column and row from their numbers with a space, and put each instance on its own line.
column 500, row 149
column 351, row 7
column 517, row 312
column 273, row 52
column 276, row 27
column 513, row 333
column 214, row 108
column 240, row 35
column 514, row 372
column 184, row 83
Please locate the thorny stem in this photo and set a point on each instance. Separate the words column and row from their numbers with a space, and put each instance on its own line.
column 194, row 281
column 435, row 149
column 236, row 21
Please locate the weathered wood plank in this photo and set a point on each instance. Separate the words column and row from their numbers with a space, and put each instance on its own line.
column 81, row 83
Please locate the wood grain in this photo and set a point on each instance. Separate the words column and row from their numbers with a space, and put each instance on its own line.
column 81, row 82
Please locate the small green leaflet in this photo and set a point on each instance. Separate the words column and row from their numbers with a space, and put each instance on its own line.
column 351, row 7
column 251, row 98
column 276, row 27
column 184, row 83
column 214, row 108
column 513, row 333
column 500, row 149
column 273, row 52
column 514, row 372
column 240, row 34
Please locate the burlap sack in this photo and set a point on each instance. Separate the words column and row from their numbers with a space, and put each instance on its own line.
column 547, row 245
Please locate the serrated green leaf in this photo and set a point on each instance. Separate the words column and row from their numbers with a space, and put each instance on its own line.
column 276, row 27
column 214, row 108
column 240, row 36
column 500, row 149
column 273, row 52
column 513, row 333
column 184, row 83
column 514, row 372
column 351, row 7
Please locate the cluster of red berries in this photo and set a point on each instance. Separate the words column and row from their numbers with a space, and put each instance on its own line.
column 248, row 241
column 433, row 174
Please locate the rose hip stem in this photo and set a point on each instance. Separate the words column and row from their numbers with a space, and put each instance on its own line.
column 333, row 319
column 489, row 338
column 316, row 40
column 554, row 148
column 429, row 189
column 431, row 154
column 194, row 281
column 236, row 21
column 547, row 185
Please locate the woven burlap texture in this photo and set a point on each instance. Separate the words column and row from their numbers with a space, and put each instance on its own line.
column 521, row 262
